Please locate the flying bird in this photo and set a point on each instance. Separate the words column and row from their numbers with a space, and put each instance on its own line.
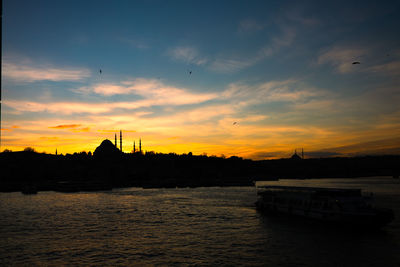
column 234, row 123
column 100, row 71
column 356, row 62
column 190, row 72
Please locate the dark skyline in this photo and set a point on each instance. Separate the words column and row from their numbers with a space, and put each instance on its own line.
column 254, row 80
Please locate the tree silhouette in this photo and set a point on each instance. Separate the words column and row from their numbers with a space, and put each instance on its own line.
column 29, row 149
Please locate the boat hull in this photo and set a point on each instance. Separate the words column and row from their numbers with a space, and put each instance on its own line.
column 374, row 218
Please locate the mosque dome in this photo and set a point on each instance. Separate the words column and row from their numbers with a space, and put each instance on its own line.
column 295, row 156
column 106, row 150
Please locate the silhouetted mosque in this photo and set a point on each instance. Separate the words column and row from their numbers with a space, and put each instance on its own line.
column 140, row 146
column 120, row 140
column 295, row 156
column 105, row 147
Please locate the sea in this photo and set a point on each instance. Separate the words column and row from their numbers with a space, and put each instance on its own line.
column 206, row 226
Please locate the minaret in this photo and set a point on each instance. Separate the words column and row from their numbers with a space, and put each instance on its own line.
column 140, row 145
column 115, row 140
column 134, row 148
column 56, row 151
column 120, row 140
column 302, row 153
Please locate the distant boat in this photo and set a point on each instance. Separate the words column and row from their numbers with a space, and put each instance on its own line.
column 344, row 207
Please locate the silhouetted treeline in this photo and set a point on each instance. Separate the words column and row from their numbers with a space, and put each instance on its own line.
column 29, row 170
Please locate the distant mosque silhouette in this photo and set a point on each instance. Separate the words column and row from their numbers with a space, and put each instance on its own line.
column 295, row 156
column 140, row 146
column 120, row 143
column 107, row 148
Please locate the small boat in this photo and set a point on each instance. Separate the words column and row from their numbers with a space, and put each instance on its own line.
column 344, row 207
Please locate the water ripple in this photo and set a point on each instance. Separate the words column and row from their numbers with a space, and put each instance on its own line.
column 185, row 226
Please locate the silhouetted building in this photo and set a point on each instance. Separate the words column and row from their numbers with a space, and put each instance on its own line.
column 115, row 140
column 134, row 148
column 120, row 140
column 140, row 145
column 106, row 150
column 295, row 156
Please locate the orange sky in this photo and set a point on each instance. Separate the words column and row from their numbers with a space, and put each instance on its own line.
column 254, row 79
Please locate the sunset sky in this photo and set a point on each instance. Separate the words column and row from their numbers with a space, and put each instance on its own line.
column 255, row 79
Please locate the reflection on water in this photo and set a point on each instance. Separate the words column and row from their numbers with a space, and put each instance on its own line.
column 204, row 226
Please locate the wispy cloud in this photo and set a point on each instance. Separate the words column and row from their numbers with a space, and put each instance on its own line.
column 20, row 106
column 187, row 54
column 322, row 154
column 262, row 155
column 203, row 121
column 287, row 24
column 273, row 91
column 208, row 112
column 32, row 73
column 231, row 65
column 76, row 128
column 152, row 92
column 155, row 93
column 65, row 126
column 223, row 63
column 285, row 39
column 341, row 58
column 390, row 68
column 375, row 147
column 11, row 128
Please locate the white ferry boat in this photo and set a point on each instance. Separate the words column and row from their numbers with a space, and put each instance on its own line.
column 346, row 207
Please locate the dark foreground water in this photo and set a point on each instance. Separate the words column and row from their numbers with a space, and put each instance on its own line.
column 196, row 226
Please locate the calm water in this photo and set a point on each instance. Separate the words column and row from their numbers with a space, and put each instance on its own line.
column 200, row 226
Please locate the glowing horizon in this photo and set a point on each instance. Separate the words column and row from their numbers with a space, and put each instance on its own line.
column 264, row 80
